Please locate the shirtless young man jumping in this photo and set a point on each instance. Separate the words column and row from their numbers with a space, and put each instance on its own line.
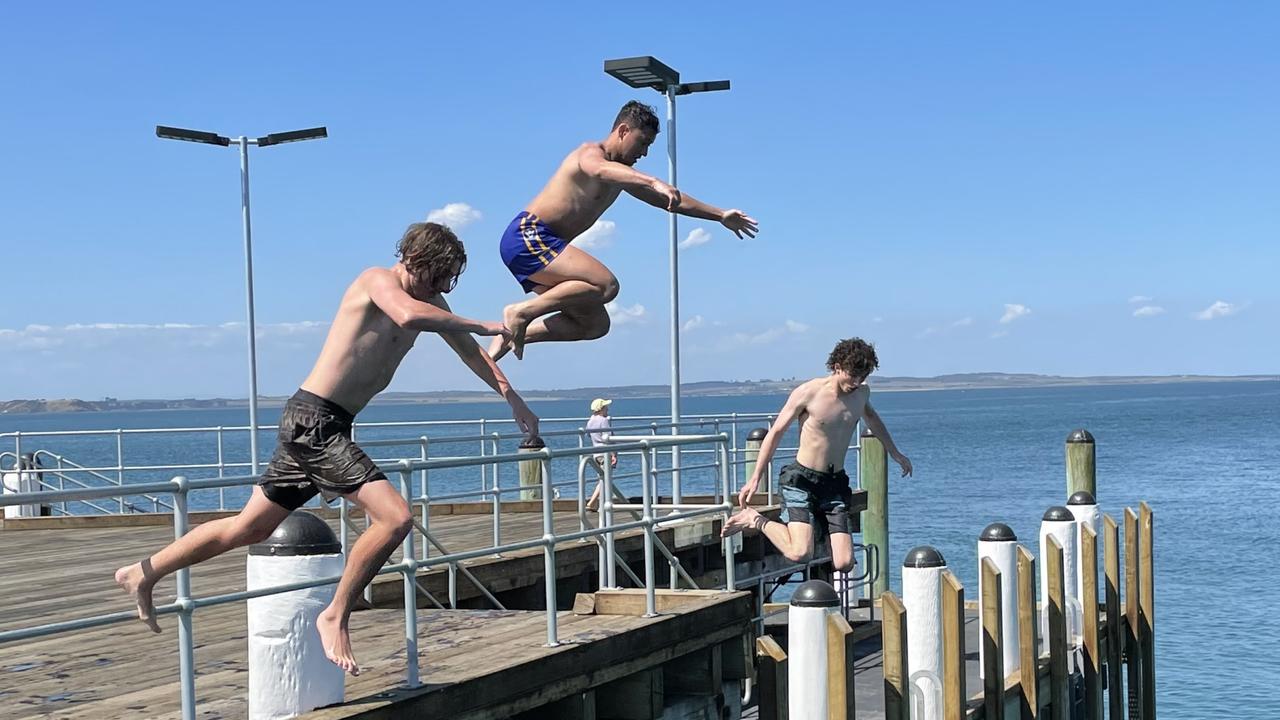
column 815, row 488
column 379, row 318
column 568, row 281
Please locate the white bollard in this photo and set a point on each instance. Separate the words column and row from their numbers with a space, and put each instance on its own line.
column 1085, row 511
column 288, row 671
column 999, row 543
column 813, row 601
column 22, row 480
column 1061, row 524
column 922, row 598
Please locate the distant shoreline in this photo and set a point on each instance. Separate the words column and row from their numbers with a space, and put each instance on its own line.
column 966, row 381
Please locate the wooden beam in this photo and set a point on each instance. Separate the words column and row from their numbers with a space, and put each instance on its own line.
column 735, row 658
column 1111, row 551
column 697, row 673
column 771, row 670
column 639, row 696
column 992, row 643
column 1057, row 600
column 953, row 660
column 1132, row 593
column 1147, row 610
column 840, row 680
column 1028, row 630
column 1089, row 602
column 630, row 601
column 897, row 691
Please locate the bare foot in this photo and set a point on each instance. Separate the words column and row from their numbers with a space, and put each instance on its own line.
column 517, row 324
column 499, row 346
column 336, row 641
column 743, row 520
column 133, row 579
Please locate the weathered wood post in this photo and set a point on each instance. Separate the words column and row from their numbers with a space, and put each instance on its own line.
column 1081, row 463
column 531, row 469
column 754, row 439
column 873, row 462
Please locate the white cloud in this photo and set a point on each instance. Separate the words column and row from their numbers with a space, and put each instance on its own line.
column 623, row 315
column 962, row 322
column 926, row 332
column 456, row 215
column 1148, row 311
column 764, row 337
column 94, row 335
column 698, row 237
column 999, row 334
column 877, row 319
column 1013, row 311
column 1218, row 309
column 692, row 323
column 599, row 235
column 1136, row 299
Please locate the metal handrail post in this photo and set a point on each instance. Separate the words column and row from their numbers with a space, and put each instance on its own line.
column 222, row 492
column 426, row 503
column 186, row 635
column 497, row 498
column 410, row 574
column 730, row 573
column 582, row 492
column 549, row 550
column 484, row 479
column 646, row 497
column 120, row 465
column 608, row 573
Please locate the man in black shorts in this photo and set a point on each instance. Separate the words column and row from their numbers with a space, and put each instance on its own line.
column 379, row 318
column 815, row 488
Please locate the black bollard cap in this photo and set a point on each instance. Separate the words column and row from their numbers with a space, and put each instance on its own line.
column 997, row 532
column 924, row 556
column 757, row 434
column 301, row 533
column 532, row 443
column 1057, row 513
column 1080, row 435
column 815, row 593
column 1082, row 497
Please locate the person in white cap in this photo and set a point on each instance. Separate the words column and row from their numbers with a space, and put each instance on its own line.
column 599, row 430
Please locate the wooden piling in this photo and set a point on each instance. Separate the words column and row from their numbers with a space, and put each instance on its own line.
column 1029, row 655
column 1146, row 611
column 992, row 643
column 1089, row 602
column 531, row 470
column 953, row 655
column 1132, row 584
column 1057, row 604
column 1081, row 465
column 840, row 678
column 897, row 685
column 1111, row 551
column 873, row 462
column 771, row 679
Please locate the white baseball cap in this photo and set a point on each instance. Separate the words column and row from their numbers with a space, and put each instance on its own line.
column 599, row 403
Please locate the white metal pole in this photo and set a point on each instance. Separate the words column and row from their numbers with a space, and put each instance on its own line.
column 248, row 284
column 675, row 297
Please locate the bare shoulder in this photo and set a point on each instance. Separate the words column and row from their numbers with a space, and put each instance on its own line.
column 806, row 391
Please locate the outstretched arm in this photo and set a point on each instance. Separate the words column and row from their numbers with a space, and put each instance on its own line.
column 794, row 406
column 739, row 222
column 411, row 314
column 469, row 351
column 876, row 425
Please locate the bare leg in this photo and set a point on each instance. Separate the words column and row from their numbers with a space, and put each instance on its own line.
column 793, row 539
column 595, row 494
column 842, row 551
column 391, row 522
column 254, row 523
column 574, row 280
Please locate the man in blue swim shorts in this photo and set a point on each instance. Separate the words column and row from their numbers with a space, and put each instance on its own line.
column 815, row 488
column 567, row 280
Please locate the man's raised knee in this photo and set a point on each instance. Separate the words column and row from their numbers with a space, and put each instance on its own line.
column 796, row 556
column 598, row 326
column 609, row 289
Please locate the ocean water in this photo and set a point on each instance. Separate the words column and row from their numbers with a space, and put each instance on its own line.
column 1205, row 456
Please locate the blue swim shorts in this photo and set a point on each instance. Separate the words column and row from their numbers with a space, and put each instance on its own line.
column 528, row 246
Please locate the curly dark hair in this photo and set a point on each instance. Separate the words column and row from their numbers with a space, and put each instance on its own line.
column 637, row 116
column 432, row 248
column 855, row 356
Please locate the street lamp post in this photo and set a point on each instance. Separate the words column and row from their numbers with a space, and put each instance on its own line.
column 648, row 72
column 208, row 138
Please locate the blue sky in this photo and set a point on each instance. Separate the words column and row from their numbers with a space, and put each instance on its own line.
column 995, row 187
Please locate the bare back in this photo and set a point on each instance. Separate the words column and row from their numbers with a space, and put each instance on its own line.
column 828, row 420
column 362, row 351
column 572, row 201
